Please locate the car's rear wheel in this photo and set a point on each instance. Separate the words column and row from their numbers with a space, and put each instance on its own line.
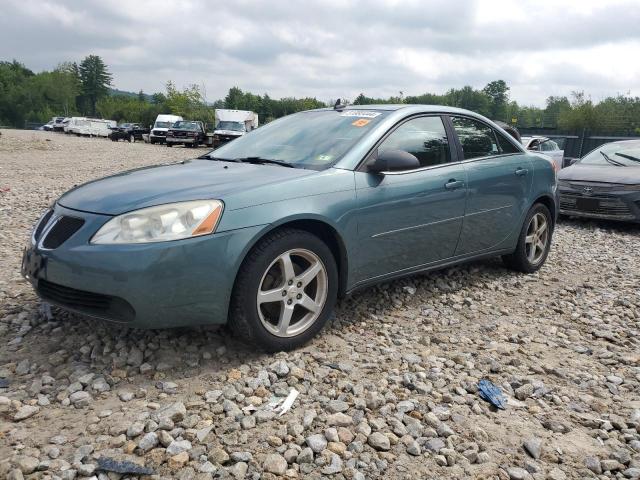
column 285, row 291
column 534, row 241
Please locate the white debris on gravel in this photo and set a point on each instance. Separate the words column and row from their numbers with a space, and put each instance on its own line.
column 389, row 390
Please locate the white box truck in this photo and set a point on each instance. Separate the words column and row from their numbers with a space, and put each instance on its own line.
column 163, row 123
column 231, row 124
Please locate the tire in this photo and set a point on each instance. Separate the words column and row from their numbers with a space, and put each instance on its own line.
column 151, row 141
column 523, row 259
column 169, row 144
column 262, row 270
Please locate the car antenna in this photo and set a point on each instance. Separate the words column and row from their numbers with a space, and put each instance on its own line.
column 339, row 106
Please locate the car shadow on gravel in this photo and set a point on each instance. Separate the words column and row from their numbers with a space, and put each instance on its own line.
column 607, row 225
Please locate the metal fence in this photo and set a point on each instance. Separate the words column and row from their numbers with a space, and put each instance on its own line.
column 576, row 144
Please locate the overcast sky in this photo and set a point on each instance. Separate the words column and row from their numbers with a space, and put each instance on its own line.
column 336, row 49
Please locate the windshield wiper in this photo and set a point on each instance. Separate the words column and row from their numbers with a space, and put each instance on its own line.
column 628, row 157
column 611, row 160
column 208, row 156
column 260, row 161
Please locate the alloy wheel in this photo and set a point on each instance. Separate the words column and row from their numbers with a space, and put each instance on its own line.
column 292, row 293
column 537, row 238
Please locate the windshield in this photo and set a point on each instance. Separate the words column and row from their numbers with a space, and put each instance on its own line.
column 623, row 154
column 163, row 125
column 314, row 139
column 233, row 126
column 185, row 125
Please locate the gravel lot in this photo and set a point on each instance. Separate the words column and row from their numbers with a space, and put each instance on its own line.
column 389, row 390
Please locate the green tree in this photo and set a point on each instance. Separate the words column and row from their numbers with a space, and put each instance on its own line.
column 498, row 93
column 95, row 80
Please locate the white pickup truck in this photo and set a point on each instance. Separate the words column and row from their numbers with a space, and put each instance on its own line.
column 231, row 124
column 162, row 124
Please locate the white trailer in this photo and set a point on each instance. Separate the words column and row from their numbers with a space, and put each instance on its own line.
column 231, row 124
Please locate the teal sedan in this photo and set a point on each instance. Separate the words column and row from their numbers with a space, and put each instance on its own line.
column 266, row 232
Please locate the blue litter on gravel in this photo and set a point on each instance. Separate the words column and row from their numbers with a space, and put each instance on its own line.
column 490, row 392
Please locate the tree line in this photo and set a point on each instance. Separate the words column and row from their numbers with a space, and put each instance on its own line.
column 84, row 89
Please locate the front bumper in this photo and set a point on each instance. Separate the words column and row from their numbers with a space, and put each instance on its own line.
column 180, row 140
column 603, row 201
column 167, row 284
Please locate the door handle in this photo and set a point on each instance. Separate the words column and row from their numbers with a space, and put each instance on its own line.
column 453, row 184
column 521, row 172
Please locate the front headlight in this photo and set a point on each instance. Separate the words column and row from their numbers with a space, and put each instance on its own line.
column 173, row 221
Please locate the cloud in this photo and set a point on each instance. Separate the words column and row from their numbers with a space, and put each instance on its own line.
column 330, row 49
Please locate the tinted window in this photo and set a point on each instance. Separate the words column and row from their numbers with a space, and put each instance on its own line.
column 424, row 137
column 477, row 139
column 505, row 145
column 549, row 146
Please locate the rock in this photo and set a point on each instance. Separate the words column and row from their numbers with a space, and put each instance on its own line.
column 339, row 420
column 335, row 466
column 80, row 398
column 517, row 473
column 556, row 474
column 413, row 448
column 337, row 406
column 174, row 412
column 434, row 444
column 632, row 473
column 218, row 456
column 239, row 470
column 149, row 441
column 275, row 463
column 280, row 368
column 27, row 464
column 379, row 441
column 241, row 457
column 178, row 461
column 533, row 446
column 524, row 392
column 593, row 464
column 24, row 412
column 177, row 447
column 305, row 455
column 316, row 442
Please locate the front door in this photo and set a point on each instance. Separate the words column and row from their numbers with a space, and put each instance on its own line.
column 411, row 218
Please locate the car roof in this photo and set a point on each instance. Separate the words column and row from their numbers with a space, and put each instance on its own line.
column 407, row 106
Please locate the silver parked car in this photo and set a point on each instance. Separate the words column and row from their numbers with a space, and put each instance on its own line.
column 546, row 146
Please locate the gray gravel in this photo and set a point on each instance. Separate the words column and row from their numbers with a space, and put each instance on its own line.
column 389, row 390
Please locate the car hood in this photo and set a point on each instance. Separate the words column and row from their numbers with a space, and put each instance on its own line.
column 601, row 173
column 188, row 180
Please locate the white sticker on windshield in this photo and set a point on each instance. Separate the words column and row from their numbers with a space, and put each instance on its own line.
column 359, row 114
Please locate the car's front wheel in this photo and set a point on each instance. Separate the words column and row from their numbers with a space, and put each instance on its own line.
column 285, row 291
column 534, row 241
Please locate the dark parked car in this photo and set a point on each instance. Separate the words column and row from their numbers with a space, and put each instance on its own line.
column 189, row 133
column 605, row 183
column 267, row 231
column 128, row 131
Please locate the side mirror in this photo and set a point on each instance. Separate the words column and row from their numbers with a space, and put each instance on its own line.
column 393, row 160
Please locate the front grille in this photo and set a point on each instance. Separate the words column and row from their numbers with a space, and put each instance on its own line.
column 61, row 231
column 600, row 205
column 593, row 186
column 41, row 224
column 159, row 133
column 96, row 304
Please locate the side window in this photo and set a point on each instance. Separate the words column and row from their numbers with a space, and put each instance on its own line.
column 476, row 138
column 424, row 137
column 549, row 146
column 505, row 145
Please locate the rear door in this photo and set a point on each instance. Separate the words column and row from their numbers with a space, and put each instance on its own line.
column 411, row 218
column 499, row 177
